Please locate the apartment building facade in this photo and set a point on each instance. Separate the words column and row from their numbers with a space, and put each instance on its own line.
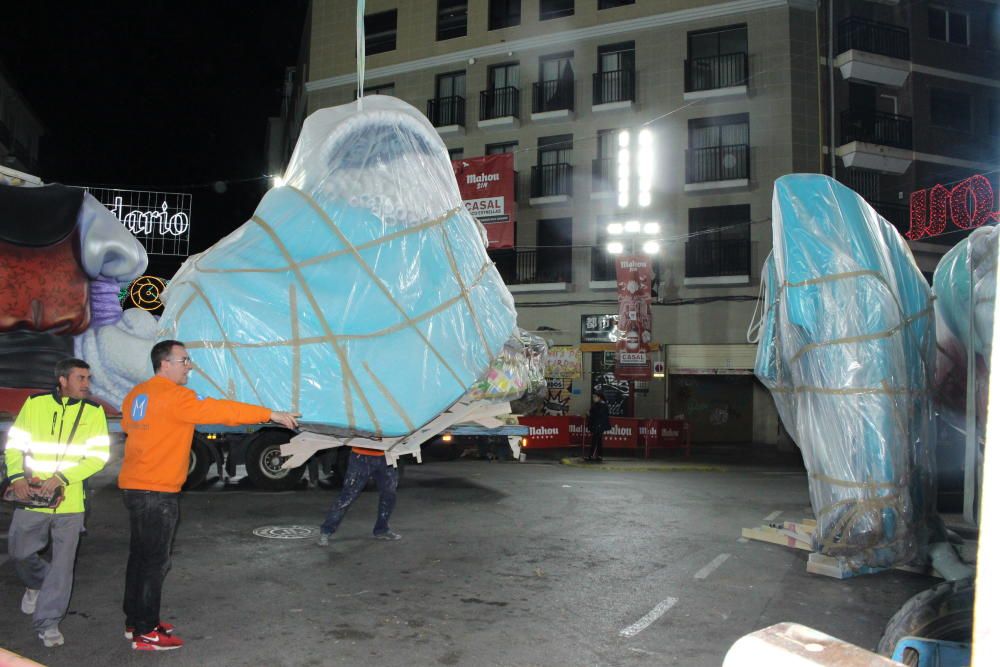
column 915, row 102
column 729, row 91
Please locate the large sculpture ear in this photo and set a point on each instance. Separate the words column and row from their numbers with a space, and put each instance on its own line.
column 107, row 248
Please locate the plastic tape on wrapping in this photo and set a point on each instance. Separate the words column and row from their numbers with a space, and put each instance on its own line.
column 860, row 508
column 334, row 339
column 865, row 337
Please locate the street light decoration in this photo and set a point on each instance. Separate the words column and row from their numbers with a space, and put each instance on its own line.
column 642, row 183
column 633, row 271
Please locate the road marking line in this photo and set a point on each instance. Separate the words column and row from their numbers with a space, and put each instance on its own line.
column 711, row 567
column 742, row 540
column 645, row 621
column 566, row 486
column 772, row 516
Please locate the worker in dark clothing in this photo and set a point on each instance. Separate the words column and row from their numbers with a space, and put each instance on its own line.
column 598, row 421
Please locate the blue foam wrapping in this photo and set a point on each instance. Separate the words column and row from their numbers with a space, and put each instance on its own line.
column 847, row 351
column 359, row 294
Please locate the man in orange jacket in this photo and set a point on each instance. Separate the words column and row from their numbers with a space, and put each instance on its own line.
column 159, row 417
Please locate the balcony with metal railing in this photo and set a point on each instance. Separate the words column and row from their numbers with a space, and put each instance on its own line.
column 447, row 114
column 499, row 107
column 553, row 99
column 875, row 140
column 614, row 89
column 713, row 261
column 716, row 76
column 536, row 269
column 551, row 184
column 876, row 127
column 717, row 167
column 873, row 52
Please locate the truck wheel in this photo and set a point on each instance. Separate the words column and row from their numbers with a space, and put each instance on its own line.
column 942, row 612
column 200, row 463
column 264, row 459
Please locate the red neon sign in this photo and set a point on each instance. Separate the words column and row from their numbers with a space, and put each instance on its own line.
column 969, row 205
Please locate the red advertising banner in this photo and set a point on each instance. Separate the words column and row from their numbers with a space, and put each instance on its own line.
column 553, row 431
column 487, row 187
column 635, row 317
column 623, row 433
column 638, row 434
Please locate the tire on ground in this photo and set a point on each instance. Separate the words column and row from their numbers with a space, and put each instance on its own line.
column 264, row 459
column 200, row 462
column 943, row 612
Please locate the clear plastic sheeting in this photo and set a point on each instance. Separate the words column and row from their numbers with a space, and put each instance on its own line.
column 519, row 369
column 360, row 294
column 847, row 350
column 965, row 291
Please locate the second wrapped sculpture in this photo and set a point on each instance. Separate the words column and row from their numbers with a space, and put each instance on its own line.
column 847, row 350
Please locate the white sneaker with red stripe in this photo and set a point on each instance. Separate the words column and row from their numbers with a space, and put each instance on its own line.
column 156, row 641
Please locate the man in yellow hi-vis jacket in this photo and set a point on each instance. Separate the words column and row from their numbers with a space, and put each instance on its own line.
column 61, row 439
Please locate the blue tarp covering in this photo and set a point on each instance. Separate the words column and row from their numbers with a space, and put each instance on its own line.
column 360, row 294
column 847, row 350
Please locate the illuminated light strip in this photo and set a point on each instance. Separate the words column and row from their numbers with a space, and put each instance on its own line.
column 927, row 221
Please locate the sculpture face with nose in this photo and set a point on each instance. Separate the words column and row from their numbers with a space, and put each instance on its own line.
column 64, row 256
column 107, row 249
column 55, row 240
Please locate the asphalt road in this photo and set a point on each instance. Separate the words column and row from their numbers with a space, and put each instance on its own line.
column 500, row 564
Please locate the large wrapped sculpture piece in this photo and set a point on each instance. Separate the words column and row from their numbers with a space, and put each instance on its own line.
column 359, row 294
column 847, row 350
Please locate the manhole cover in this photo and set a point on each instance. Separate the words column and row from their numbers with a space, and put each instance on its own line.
column 286, row 532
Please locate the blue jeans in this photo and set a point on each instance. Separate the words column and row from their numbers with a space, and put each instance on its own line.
column 153, row 521
column 361, row 468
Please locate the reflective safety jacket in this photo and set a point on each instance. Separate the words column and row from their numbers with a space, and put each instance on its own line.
column 39, row 444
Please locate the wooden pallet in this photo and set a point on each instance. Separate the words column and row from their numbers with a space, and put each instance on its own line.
column 798, row 535
column 795, row 534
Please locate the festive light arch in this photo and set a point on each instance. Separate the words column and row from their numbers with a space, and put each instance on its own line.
column 969, row 205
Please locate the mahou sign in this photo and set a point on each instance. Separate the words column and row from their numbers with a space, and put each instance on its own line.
column 635, row 317
column 487, row 187
column 968, row 205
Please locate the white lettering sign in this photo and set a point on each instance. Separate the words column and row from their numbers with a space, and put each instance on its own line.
column 481, row 180
column 542, row 430
column 159, row 221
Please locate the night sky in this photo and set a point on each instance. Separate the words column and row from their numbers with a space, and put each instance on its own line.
column 156, row 94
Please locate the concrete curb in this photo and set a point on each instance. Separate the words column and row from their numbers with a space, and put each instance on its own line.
column 641, row 467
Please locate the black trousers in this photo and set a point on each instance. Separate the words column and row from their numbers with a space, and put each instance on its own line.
column 596, row 444
column 153, row 521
